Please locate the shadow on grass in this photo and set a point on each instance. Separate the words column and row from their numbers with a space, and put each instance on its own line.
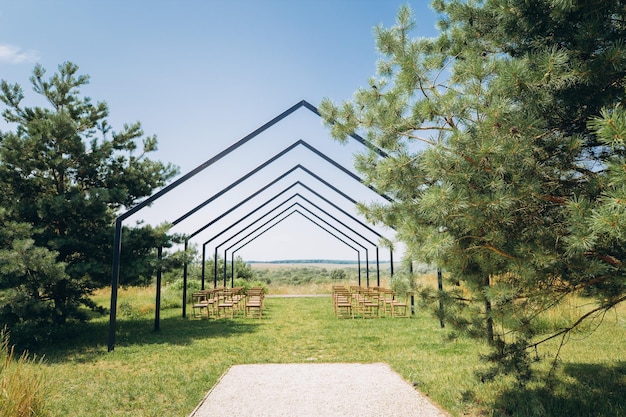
column 582, row 390
column 88, row 341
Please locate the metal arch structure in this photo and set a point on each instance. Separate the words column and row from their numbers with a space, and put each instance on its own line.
column 268, row 162
column 259, row 168
column 306, row 217
column 265, row 204
column 267, row 186
column 278, row 195
column 313, row 214
column 290, row 214
column 117, row 238
column 268, row 222
column 271, row 183
column 282, row 176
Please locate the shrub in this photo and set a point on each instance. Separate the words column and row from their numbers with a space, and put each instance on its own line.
column 400, row 284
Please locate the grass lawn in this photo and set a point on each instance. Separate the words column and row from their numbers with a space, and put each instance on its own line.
column 167, row 373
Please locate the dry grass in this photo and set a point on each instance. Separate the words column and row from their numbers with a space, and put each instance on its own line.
column 22, row 385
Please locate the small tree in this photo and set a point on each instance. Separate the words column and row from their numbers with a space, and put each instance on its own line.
column 338, row 274
column 66, row 174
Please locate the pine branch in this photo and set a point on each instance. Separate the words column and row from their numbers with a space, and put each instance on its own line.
column 494, row 249
column 611, row 260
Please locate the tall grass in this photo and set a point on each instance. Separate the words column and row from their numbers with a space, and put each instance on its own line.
column 22, row 386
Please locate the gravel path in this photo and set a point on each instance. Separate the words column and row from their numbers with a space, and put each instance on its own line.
column 314, row 390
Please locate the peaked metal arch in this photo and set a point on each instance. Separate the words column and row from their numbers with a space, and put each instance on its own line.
column 280, row 221
column 284, row 175
column 265, row 224
column 299, row 142
column 297, row 211
column 272, row 199
column 285, row 201
column 331, row 226
column 117, row 239
column 326, row 213
column 273, row 182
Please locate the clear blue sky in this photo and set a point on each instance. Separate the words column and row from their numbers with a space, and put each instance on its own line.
column 203, row 74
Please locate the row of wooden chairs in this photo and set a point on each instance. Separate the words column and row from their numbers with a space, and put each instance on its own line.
column 371, row 302
column 226, row 302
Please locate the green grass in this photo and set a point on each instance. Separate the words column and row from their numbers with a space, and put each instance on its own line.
column 167, row 373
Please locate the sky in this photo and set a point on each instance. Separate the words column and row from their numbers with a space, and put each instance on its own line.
column 201, row 75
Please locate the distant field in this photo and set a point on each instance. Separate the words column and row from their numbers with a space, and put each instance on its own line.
column 328, row 266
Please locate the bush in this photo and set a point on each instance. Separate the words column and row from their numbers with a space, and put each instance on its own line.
column 22, row 387
column 338, row 274
column 241, row 282
column 400, row 284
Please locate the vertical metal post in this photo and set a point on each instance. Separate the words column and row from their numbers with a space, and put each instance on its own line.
column 440, row 288
column 225, row 269
column 115, row 281
column 391, row 261
column 203, row 264
column 367, row 268
column 232, row 269
column 185, row 281
column 359, row 264
column 157, row 313
column 215, row 269
column 377, row 269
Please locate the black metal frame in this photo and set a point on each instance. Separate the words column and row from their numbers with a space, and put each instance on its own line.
column 268, row 222
column 269, row 201
column 258, row 208
column 313, row 214
column 298, row 182
column 295, row 211
column 117, row 238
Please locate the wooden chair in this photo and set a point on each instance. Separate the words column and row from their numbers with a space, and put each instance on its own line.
column 386, row 296
column 370, row 303
column 225, row 303
column 342, row 302
column 198, row 303
column 397, row 305
column 238, row 298
column 204, row 299
column 254, row 302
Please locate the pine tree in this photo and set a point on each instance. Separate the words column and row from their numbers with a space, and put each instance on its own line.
column 66, row 174
column 500, row 103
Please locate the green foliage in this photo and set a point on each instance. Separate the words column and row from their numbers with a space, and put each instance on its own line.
column 64, row 174
column 299, row 275
column 497, row 174
column 338, row 274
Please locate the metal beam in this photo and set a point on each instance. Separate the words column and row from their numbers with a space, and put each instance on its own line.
column 297, row 203
column 117, row 245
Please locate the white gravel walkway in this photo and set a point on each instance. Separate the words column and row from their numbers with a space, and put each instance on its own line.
column 314, row 390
